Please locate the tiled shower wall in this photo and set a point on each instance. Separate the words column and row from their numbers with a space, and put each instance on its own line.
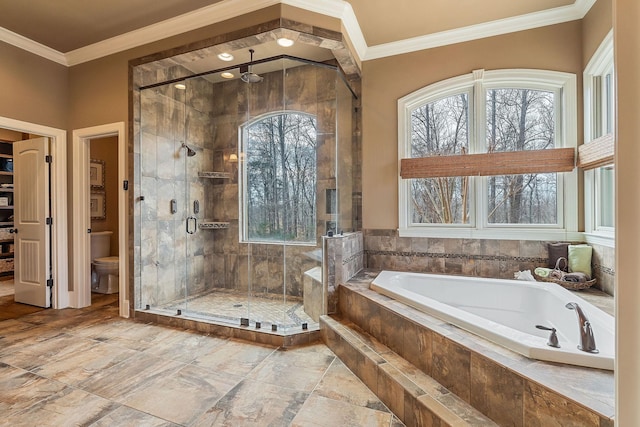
column 385, row 250
column 207, row 117
column 265, row 268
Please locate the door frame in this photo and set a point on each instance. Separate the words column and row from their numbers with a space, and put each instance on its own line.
column 60, row 247
column 80, row 216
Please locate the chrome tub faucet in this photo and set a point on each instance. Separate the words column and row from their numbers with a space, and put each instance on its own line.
column 587, row 341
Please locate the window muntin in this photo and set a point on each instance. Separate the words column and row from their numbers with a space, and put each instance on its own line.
column 549, row 122
column 279, row 178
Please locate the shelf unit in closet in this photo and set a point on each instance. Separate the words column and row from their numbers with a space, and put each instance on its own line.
column 6, row 208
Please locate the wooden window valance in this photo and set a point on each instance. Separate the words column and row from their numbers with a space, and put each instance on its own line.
column 596, row 153
column 487, row 164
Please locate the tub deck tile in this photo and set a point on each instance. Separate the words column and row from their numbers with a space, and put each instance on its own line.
column 587, row 391
column 411, row 394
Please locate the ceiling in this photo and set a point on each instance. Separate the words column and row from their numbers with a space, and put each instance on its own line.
column 66, row 26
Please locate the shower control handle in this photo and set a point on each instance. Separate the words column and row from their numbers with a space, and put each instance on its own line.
column 194, row 221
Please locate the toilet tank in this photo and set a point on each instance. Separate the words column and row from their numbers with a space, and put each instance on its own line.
column 100, row 244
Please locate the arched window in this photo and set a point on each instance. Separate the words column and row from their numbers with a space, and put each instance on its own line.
column 489, row 112
column 278, row 178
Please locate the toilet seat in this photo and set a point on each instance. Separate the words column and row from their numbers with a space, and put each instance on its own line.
column 106, row 260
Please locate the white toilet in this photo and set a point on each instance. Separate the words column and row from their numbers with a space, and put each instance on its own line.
column 104, row 268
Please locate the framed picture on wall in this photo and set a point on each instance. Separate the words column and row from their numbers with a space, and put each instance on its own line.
column 96, row 173
column 97, row 205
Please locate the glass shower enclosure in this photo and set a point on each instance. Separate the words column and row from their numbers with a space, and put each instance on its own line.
column 238, row 181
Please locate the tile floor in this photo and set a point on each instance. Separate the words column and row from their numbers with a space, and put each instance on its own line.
column 90, row 367
column 231, row 305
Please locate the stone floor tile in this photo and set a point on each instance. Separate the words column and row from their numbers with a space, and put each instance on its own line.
column 321, row 411
column 62, row 409
column 182, row 396
column 85, row 363
column 234, row 357
column 308, row 363
column 339, row 383
column 252, row 403
column 127, row 377
column 125, row 416
column 20, row 389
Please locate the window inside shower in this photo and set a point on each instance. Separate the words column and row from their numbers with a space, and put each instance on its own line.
column 237, row 183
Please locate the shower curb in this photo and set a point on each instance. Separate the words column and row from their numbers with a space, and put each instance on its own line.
column 414, row 397
column 239, row 332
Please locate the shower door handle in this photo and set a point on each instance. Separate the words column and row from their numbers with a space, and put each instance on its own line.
column 189, row 222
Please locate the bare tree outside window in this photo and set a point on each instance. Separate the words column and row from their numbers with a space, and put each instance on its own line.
column 518, row 120
column 280, row 162
column 440, row 128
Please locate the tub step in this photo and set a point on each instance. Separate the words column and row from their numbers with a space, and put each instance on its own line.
column 416, row 398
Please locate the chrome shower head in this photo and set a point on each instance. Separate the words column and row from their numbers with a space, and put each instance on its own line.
column 247, row 75
column 190, row 151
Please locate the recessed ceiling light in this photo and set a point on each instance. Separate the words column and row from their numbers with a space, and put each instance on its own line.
column 227, row 75
column 285, row 42
column 180, row 86
column 225, row 56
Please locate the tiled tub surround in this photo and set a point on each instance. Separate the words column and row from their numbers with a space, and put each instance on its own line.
column 509, row 388
column 343, row 260
column 385, row 250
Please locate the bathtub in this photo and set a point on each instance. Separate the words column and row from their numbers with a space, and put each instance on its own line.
column 506, row 313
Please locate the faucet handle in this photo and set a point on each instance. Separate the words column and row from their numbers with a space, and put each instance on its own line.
column 553, row 338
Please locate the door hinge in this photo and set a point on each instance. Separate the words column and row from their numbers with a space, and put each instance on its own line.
column 49, row 221
column 50, row 283
column 48, row 158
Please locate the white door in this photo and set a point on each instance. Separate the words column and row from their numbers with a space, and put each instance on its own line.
column 32, row 238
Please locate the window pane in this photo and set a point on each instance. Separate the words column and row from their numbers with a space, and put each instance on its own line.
column 607, row 106
column 440, row 200
column 440, row 128
column 517, row 120
column 520, row 119
column 605, row 201
column 280, row 160
column 523, row 199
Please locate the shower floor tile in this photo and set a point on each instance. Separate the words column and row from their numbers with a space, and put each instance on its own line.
column 231, row 305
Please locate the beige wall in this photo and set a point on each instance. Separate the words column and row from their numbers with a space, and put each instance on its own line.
column 98, row 90
column 386, row 80
column 595, row 26
column 34, row 89
column 106, row 149
column 627, row 62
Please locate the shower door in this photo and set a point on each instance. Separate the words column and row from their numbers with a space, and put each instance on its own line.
column 161, row 199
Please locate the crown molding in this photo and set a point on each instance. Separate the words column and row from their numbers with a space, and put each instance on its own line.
column 228, row 9
column 31, row 46
column 337, row 9
column 489, row 29
column 198, row 18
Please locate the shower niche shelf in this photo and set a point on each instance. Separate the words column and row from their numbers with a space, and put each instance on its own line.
column 216, row 225
column 214, row 175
